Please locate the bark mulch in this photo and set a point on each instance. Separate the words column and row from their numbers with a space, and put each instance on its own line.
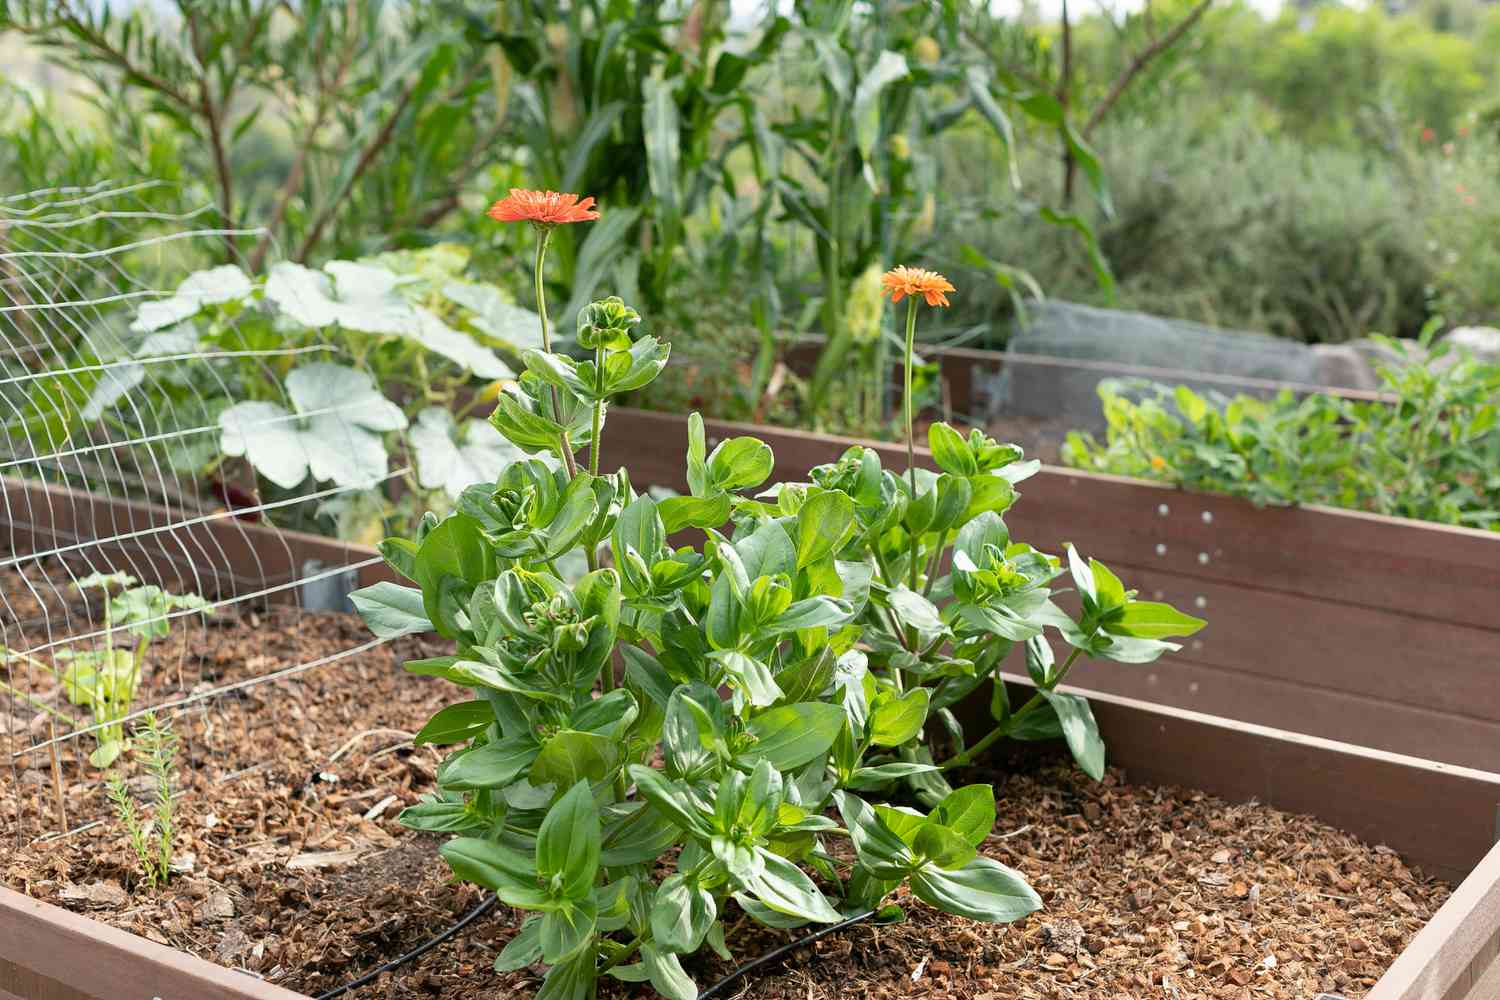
column 293, row 865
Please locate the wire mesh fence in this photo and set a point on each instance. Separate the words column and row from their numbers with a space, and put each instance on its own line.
column 136, row 570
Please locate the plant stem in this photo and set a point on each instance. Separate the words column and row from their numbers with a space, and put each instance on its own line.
column 988, row 740
column 541, row 312
column 598, row 415
column 911, row 449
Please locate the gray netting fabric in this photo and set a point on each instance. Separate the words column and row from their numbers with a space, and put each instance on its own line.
column 1056, row 359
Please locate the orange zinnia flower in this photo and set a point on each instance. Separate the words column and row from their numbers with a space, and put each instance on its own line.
column 900, row 282
column 542, row 208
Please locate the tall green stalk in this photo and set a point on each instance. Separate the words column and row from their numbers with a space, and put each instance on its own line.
column 906, row 403
column 545, row 237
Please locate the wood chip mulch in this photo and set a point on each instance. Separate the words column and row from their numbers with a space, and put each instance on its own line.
column 293, row 866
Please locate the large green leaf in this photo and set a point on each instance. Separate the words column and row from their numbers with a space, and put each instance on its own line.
column 682, row 914
column 494, row 765
column 391, row 610
column 981, row 890
column 1080, row 730
column 456, row 723
column 567, row 845
column 570, row 756
column 785, row 888
column 792, row 735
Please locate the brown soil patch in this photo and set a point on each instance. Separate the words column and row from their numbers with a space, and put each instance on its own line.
column 301, row 874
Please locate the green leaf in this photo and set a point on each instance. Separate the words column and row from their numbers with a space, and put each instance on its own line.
column 493, row 765
column 666, row 974
column 573, row 978
column 896, row 719
column 682, row 914
column 1151, row 620
column 814, row 612
column 440, row 816
column 785, row 888
column 881, row 850
column 665, row 795
column 883, row 774
column 942, row 846
column 566, row 928
column 694, row 512
column 969, row 812
column 660, row 129
column 981, row 890
column 951, row 451
column 1080, row 730
column 473, row 673
column 571, row 756
column 792, row 735
column 697, row 464
column 510, row 873
column 522, row 950
column 391, row 610
column 824, row 524
column 750, row 676
column 567, row 845
column 740, row 463
column 456, row 723
column 888, row 68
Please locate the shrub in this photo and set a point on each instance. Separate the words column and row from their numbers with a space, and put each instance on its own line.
column 823, row 614
column 1432, row 453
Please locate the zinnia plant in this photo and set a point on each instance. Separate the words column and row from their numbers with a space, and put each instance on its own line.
column 783, row 671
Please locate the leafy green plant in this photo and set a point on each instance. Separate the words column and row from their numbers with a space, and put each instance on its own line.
column 1429, row 453
column 152, row 841
column 821, row 607
column 314, row 374
column 312, row 119
column 105, row 680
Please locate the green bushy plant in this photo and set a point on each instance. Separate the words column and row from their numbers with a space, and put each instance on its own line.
column 704, row 707
column 1431, row 453
column 309, row 374
column 104, row 680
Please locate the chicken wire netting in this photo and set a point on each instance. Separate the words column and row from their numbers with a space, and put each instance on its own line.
column 137, row 552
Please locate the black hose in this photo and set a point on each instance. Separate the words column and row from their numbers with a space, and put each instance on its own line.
column 484, row 907
column 490, row 901
column 776, row 953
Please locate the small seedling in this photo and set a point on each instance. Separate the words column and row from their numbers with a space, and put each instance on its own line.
column 105, row 680
column 152, row 840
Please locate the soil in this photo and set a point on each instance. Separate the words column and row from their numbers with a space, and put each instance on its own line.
column 293, row 867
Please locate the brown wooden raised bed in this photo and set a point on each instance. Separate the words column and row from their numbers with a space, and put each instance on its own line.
column 1378, row 634
column 1438, row 816
column 1378, row 631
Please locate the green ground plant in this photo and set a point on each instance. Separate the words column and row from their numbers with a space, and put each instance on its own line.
column 1431, row 453
column 825, row 608
column 153, row 841
column 105, row 679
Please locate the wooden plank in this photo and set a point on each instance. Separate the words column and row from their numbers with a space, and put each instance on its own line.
column 1329, row 644
column 220, row 556
column 1349, row 717
column 48, row 953
column 1440, row 816
column 1441, row 954
column 1426, row 570
column 1486, row 983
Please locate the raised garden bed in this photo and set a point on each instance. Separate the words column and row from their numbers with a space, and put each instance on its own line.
column 301, row 875
column 1438, row 817
column 1377, row 631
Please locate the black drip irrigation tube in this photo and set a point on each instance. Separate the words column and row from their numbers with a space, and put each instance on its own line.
column 489, row 904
